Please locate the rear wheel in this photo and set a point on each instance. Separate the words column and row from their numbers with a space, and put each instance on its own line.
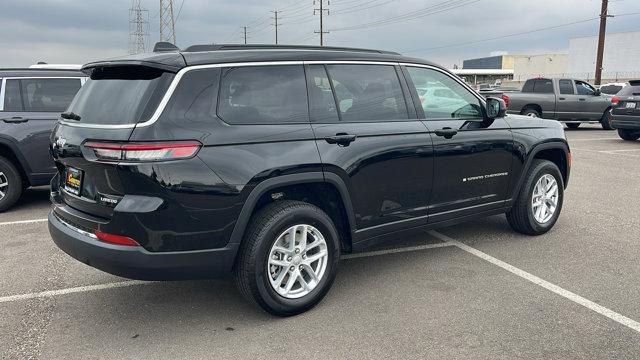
column 573, row 125
column 539, row 202
column 606, row 120
column 629, row 135
column 10, row 184
column 289, row 257
column 531, row 112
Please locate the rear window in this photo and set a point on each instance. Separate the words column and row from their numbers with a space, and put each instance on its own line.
column 630, row 90
column 610, row 89
column 121, row 95
column 543, row 86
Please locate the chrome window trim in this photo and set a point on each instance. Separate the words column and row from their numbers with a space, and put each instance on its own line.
column 176, row 80
column 82, row 79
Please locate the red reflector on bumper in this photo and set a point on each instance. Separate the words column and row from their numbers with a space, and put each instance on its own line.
column 115, row 239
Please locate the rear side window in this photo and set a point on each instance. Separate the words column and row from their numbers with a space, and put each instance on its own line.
column 195, row 97
column 566, row 87
column 52, row 95
column 630, row 90
column 322, row 104
column 528, row 86
column 543, row 86
column 263, row 95
column 368, row 92
column 120, row 95
column 12, row 100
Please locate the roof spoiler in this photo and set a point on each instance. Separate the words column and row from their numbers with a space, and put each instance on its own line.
column 163, row 46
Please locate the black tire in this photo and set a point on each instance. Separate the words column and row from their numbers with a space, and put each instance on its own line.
column 250, row 270
column 629, row 135
column 605, row 121
column 573, row 125
column 521, row 216
column 531, row 112
column 13, row 189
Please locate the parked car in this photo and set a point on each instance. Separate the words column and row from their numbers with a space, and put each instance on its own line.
column 31, row 101
column 625, row 114
column 269, row 162
column 567, row 100
column 611, row 88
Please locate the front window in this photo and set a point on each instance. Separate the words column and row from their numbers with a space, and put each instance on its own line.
column 584, row 89
column 442, row 97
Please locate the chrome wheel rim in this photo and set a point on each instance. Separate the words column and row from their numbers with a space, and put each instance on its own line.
column 297, row 261
column 544, row 200
column 4, row 185
column 532, row 115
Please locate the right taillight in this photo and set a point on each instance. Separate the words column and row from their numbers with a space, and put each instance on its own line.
column 615, row 100
column 141, row 152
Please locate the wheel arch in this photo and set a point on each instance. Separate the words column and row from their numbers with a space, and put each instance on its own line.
column 333, row 199
column 533, row 106
column 556, row 152
column 9, row 151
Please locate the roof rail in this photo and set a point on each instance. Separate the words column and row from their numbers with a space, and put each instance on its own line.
column 44, row 65
column 217, row 47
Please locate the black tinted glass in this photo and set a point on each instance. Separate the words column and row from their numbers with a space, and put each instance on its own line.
column 321, row 102
column 48, row 94
column 610, row 89
column 528, row 86
column 630, row 90
column 194, row 97
column 543, row 86
column 12, row 101
column 124, row 95
column 263, row 95
column 566, row 86
column 368, row 92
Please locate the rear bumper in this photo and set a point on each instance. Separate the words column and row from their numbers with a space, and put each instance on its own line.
column 135, row 262
column 625, row 122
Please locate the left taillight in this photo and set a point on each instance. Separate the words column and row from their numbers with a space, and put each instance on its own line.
column 141, row 152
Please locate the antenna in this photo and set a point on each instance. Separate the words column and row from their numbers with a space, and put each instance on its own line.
column 138, row 28
column 167, row 22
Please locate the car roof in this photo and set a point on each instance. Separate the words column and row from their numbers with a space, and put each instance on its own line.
column 176, row 60
column 20, row 72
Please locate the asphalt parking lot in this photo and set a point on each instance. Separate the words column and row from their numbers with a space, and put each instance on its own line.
column 476, row 290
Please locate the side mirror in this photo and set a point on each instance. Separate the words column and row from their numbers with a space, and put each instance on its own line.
column 496, row 108
column 598, row 92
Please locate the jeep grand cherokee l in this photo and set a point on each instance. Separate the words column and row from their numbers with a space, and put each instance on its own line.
column 269, row 162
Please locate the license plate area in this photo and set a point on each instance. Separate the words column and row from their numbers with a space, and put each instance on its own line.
column 73, row 181
column 630, row 105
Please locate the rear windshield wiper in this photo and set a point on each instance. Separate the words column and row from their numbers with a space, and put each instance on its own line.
column 70, row 116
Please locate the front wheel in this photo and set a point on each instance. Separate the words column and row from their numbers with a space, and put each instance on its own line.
column 629, row 135
column 10, row 184
column 539, row 202
column 289, row 257
column 531, row 112
column 605, row 121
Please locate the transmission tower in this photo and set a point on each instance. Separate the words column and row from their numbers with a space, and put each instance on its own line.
column 138, row 28
column 167, row 22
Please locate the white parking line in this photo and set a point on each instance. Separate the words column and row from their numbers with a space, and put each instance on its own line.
column 608, row 152
column 52, row 293
column 593, row 139
column 22, row 222
column 621, row 319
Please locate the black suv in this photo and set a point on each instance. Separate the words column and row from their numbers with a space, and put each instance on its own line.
column 31, row 101
column 625, row 114
column 269, row 162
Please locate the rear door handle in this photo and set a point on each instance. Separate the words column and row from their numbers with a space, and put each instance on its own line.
column 342, row 139
column 447, row 132
column 562, row 98
column 582, row 99
column 15, row 120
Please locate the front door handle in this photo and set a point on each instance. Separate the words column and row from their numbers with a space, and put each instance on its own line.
column 582, row 99
column 562, row 98
column 447, row 132
column 15, row 120
column 342, row 139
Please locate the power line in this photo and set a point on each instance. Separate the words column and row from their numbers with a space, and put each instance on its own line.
column 412, row 15
column 275, row 24
column 360, row 7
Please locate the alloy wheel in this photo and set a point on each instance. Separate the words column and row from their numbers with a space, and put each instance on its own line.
column 544, row 200
column 297, row 261
column 4, row 185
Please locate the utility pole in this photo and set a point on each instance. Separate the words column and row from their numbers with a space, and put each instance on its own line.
column 138, row 28
column 321, row 11
column 275, row 19
column 601, row 35
column 245, row 34
column 167, row 22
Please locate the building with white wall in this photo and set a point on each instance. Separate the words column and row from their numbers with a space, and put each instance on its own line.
column 621, row 55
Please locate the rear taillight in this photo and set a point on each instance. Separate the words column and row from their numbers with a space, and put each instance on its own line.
column 140, row 152
column 506, row 100
column 615, row 100
column 115, row 239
